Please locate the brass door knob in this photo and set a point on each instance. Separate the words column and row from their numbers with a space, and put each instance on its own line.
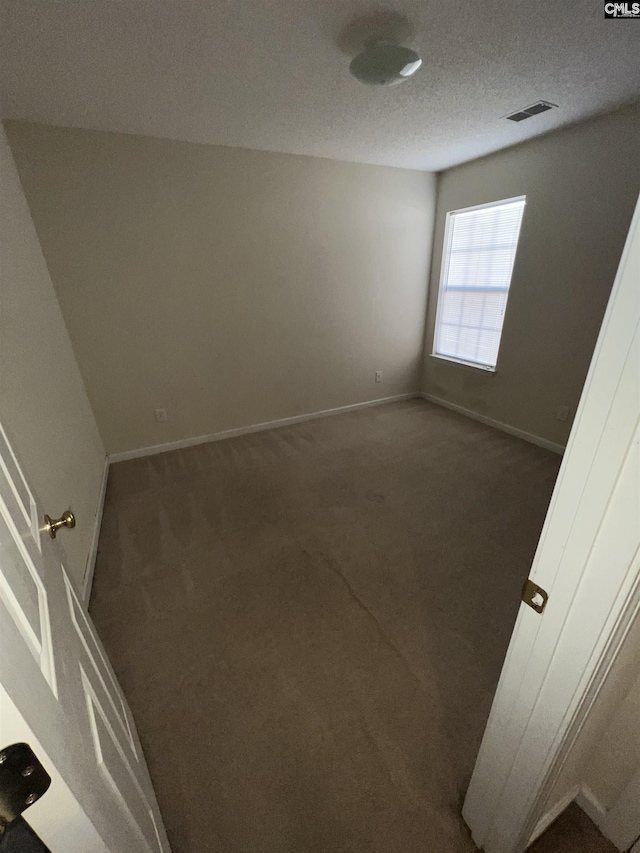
column 67, row 519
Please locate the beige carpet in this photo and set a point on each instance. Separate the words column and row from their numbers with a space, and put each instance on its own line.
column 309, row 624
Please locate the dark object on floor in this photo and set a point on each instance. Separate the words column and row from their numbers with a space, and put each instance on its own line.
column 309, row 624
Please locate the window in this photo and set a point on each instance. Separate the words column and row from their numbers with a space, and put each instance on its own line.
column 479, row 250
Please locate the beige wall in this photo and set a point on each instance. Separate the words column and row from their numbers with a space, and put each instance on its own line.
column 43, row 404
column 581, row 185
column 230, row 287
column 615, row 755
column 615, row 758
column 606, row 754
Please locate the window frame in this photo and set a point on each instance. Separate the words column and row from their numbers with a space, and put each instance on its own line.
column 444, row 269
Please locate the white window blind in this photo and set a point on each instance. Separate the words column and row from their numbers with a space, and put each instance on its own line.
column 479, row 251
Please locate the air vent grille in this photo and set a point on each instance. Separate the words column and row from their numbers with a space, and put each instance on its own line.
column 533, row 110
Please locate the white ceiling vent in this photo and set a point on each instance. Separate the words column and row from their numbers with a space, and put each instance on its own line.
column 533, row 110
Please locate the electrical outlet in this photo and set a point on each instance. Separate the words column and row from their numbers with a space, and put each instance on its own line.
column 161, row 415
column 563, row 413
column 378, row 376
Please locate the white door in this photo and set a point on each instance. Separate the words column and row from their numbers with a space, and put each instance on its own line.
column 588, row 561
column 58, row 693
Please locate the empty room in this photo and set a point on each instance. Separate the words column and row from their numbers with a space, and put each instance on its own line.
column 319, row 404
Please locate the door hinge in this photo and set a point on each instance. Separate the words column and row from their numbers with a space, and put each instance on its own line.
column 23, row 780
column 534, row 596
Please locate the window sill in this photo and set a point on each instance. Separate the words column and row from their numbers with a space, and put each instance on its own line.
column 469, row 365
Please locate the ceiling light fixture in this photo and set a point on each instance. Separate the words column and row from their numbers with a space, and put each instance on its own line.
column 384, row 63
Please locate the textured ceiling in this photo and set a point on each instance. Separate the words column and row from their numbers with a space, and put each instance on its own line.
column 273, row 74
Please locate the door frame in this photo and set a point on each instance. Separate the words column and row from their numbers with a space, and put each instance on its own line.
column 551, row 678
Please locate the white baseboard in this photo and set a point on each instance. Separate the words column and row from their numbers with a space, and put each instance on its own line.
column 231, row 433
column 93, row 550
column 554, row 812
column 520, row 433
column 591, row 805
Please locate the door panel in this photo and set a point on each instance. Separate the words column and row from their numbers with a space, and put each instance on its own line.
column 22, row 586
column 14, row 477
column 115, row 768
column 59, row 692
column 97, row 661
